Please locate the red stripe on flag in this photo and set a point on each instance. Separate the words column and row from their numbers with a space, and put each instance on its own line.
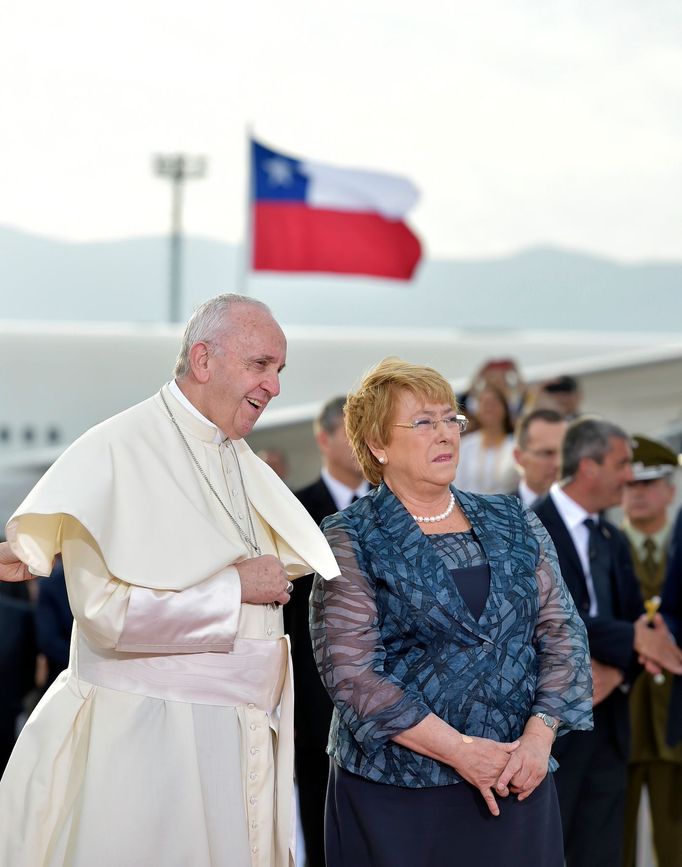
column 296, row 237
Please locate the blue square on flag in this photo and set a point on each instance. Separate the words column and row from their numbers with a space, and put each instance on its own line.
column 277, row 177
column 310, row 216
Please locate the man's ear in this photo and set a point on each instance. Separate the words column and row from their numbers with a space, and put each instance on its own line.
column 588, row 467
column 322, row 440
column 199, row 356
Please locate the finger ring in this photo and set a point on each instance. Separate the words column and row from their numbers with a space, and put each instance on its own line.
column 290, row 586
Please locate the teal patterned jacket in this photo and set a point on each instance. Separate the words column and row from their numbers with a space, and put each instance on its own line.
column 394, row 641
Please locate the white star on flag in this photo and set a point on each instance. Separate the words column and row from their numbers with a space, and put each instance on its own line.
column 280, row 173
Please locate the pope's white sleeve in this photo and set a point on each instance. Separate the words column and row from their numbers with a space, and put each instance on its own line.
column 123, row 617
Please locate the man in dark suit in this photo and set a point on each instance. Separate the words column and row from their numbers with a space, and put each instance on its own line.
column 671, row 607
column 340, row 483
column 597, row 568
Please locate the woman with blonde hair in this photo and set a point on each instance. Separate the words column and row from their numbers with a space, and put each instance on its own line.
column 449, row 645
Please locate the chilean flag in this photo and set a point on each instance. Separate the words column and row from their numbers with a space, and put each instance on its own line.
column 310, row 216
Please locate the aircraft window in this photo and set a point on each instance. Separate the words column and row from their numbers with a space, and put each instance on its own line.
column 5, row 434
column 29, row 434
column 53, row 435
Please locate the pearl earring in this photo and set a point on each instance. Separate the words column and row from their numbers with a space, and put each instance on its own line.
column 382, row 460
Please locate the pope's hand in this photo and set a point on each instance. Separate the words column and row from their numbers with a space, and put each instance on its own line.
column 11, row 568
column 263, row 580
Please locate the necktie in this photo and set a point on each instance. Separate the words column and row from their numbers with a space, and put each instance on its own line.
column 600, row 568
column 650, row 566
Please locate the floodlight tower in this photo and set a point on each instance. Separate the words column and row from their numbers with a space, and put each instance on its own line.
column 179, row 168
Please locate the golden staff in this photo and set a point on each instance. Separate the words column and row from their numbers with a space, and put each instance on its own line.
column 651, row 606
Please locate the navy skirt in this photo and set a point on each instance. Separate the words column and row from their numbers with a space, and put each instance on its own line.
column 369, row 824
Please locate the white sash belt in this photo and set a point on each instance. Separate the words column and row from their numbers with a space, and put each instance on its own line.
column 252, row 674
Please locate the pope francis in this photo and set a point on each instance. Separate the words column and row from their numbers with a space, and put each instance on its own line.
column 168, row 740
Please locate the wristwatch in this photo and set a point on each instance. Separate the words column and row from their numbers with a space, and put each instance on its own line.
column 549, row 721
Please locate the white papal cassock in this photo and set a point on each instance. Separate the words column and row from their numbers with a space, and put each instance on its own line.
column 168, row 740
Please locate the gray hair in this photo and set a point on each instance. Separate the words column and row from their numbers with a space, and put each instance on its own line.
column 587, row 437
column 331, row 415
column 209, row 321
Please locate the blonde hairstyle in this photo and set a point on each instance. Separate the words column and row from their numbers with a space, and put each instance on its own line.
column 369, row 410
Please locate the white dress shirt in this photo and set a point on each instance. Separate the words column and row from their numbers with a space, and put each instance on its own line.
column 526, row 495
column 340, row 493
column 574, row 516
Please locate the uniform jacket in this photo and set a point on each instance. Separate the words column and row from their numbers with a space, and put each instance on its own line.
column 649, row 701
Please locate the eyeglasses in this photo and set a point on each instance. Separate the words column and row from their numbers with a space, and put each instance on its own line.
column 424, row 425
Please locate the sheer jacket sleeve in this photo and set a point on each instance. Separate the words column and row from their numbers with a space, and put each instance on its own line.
column 564, row 684
column 349, row 651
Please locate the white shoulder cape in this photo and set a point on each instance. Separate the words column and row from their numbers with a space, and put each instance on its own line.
column 131, row 484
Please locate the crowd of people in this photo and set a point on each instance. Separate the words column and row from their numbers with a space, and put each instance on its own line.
column 485, row 668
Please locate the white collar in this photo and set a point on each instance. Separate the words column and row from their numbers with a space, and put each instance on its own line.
column 174, row 389
column 527, row 495
column 340, row 493
column 572, row 513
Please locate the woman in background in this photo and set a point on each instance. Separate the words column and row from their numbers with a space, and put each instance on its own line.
column 486, row 459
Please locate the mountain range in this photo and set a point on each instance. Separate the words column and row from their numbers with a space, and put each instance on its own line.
column 542, row 287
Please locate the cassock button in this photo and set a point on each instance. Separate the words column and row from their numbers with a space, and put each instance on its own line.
column 253, row 727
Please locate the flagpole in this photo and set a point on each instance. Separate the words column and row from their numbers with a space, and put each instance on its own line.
column 244, row 259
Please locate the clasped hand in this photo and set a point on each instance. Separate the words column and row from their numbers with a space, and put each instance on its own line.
column 481, row 761
column 527, row 766
column 656, row 647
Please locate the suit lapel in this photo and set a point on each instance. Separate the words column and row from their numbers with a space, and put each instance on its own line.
column 495, row 545
column 425, row 570
column 571, row 567
column 325, row 499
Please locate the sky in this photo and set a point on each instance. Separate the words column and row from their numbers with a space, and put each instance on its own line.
column 522, row 122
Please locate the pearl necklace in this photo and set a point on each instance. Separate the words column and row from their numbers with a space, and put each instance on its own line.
column 420, row 519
